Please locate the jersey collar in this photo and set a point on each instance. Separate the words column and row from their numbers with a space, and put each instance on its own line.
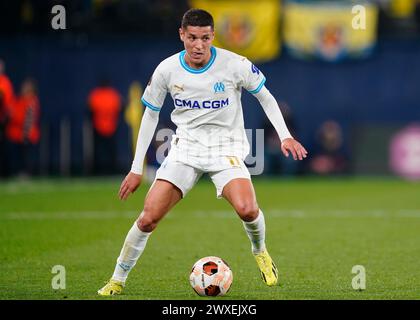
column 201, row 70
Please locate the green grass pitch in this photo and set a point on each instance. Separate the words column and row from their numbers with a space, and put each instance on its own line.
column 317, row 230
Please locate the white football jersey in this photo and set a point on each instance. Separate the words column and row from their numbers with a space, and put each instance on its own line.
column 207, row 104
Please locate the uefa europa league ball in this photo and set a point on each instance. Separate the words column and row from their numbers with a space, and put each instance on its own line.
column 211, row 276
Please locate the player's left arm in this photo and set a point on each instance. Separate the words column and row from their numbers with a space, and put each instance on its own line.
column 253, row 80
column 273, row 112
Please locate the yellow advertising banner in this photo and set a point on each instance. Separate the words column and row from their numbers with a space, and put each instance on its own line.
column 329, row 31
column 246, row 27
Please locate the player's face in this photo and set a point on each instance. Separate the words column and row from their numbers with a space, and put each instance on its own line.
column 197, row 43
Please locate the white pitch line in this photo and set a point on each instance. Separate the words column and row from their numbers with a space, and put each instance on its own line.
column 95, row 215
column 378, row 213
column 297, row 214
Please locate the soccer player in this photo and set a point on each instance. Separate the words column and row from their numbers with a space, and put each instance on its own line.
column 205, row 83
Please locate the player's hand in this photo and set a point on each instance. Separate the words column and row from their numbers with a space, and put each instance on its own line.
column 295, row 148
column 130, row 184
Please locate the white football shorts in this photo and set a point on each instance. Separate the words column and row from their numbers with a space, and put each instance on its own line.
column 185, row 176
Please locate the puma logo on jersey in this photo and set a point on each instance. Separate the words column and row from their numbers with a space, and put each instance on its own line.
column 178, row 88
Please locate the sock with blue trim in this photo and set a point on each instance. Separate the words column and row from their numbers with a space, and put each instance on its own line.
column 133, row 247
column 256, row 233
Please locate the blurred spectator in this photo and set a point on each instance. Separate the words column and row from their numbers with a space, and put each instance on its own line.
column 275, row 161
column 328, row 155
column 2, row 138
column 7, row 98
column 6, row 87
column 23, row 132
column 6, row 101
column 104, row 103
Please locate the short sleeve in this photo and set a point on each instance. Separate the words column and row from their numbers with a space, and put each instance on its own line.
column 252, row 79
column 155, row 92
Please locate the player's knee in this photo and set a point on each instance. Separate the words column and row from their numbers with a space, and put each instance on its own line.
column 147, row 221
column 146, row 224
column 247, row 211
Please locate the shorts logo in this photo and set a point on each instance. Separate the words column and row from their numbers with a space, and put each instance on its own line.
column 219, row 87
column 234, row 161
column 255, row 69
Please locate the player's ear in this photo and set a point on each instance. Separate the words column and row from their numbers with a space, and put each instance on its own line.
column 181, row 34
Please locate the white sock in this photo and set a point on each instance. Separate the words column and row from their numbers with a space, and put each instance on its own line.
column 256, row 233
column 133, row 247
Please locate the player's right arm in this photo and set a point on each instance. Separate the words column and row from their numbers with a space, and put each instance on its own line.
column 152, row 99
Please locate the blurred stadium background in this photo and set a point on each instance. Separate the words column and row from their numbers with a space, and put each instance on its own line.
column 70, row 107
column 347, row 94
